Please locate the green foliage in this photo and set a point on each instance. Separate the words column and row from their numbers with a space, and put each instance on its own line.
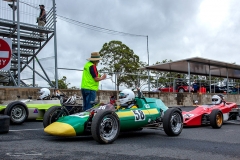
column 162, row 78
column 119, row 58
column 62, row 84
column 74, row 87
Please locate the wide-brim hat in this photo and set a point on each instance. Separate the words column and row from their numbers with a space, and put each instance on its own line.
column 95, row 56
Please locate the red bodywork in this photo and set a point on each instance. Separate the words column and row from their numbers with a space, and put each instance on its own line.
column 194, row 117
column 170, row 89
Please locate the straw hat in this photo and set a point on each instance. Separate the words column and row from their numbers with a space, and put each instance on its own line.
column 95, row 56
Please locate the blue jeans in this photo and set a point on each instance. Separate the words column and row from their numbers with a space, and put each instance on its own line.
column 88, row 96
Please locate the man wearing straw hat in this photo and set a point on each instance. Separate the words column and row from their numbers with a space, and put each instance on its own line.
column 90, row 80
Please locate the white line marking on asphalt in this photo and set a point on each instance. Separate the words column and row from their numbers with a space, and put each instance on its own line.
column 25, row 130
column 24, row 154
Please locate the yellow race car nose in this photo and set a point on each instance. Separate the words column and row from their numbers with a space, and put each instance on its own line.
column 60, row 129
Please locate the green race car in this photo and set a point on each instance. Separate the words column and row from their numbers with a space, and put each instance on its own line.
column 106, row 121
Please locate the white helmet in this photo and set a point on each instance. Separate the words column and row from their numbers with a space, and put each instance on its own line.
column 125, row 96
column 44, row 93
column 216, row 99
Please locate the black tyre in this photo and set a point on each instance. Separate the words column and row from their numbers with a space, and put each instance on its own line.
column 216, row 118
column 53, row 114
column 180, row 90
column 105, row 127
column 172, row 122
column 17, row 111
column 4, row 123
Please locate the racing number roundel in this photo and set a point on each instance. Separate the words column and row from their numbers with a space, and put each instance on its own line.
column 5, row 53
column 139, row 115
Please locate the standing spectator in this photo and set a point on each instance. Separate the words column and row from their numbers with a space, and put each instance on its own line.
column 90, row 80
column 178, row 81
column 42, row 17
column 195, row 87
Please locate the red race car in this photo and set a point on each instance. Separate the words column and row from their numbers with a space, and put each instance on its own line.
column 180, row 86
column 214, row 114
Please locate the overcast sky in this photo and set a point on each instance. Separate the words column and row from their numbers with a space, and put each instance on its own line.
column 177, row 29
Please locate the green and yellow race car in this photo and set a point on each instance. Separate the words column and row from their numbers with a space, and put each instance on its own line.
column 21, row 110
column 106, row 121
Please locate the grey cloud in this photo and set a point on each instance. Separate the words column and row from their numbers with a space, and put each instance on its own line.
column 173, row 27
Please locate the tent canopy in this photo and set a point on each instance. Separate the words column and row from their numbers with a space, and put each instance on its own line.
column 199, row 66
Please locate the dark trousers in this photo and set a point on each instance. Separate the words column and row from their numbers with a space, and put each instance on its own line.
column 88, row 96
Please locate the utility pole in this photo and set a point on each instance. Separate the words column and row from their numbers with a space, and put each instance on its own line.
column 148, row 65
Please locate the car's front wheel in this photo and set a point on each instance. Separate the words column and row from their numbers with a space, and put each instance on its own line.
column 173, row 122
column 105, row 127
column 216, row 118
column 17, row 111
column 53, row 114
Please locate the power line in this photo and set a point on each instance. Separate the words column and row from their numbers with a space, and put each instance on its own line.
column 89, row 26
column 96, row 28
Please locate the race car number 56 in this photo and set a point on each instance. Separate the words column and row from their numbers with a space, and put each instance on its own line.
column 139, row 115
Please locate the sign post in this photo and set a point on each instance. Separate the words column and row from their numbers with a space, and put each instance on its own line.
column 5, row 53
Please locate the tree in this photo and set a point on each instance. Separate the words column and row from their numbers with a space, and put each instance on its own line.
column 62, row 84
column 119, row 59
column 161, row 78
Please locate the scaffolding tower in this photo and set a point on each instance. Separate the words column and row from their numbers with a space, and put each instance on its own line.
column 27, row 42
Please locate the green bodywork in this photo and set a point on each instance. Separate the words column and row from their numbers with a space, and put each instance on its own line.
column 147, row 110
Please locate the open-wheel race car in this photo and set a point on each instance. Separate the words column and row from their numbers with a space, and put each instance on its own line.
column 106, row 121
column 21, row 110
column 214, row 114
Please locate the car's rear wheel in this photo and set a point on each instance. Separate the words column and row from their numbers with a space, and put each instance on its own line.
column 105, row 127
column 172, row 122
column 17, row 111
column 53, row 114
column 216, row 118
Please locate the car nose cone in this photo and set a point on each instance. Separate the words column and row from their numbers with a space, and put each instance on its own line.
column 60, row 129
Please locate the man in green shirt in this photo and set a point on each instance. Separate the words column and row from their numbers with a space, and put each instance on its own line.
column 90, row 80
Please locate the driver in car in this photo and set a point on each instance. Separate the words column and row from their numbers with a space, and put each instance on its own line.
column 44, row 94
column 126, row 99
column 218, row 99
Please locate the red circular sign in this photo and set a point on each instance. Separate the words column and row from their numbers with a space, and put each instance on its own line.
column 5, row 53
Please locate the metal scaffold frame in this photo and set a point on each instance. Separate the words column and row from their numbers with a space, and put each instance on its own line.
column 26, row 45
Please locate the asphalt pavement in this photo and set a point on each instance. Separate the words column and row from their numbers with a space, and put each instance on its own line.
column 28, row 141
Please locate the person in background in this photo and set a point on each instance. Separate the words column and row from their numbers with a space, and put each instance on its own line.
column 195, row 87
column 41, row 20
column 178, row 81
column 90, row 80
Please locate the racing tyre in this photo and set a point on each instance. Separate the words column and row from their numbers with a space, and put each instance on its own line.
column 216, row 118
column 17, row 111
column 53, row 114
column 4, row 123
column 105, row 127
column 172, row 122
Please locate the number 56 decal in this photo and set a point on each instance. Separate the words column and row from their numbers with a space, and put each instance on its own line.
column 139, row 115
